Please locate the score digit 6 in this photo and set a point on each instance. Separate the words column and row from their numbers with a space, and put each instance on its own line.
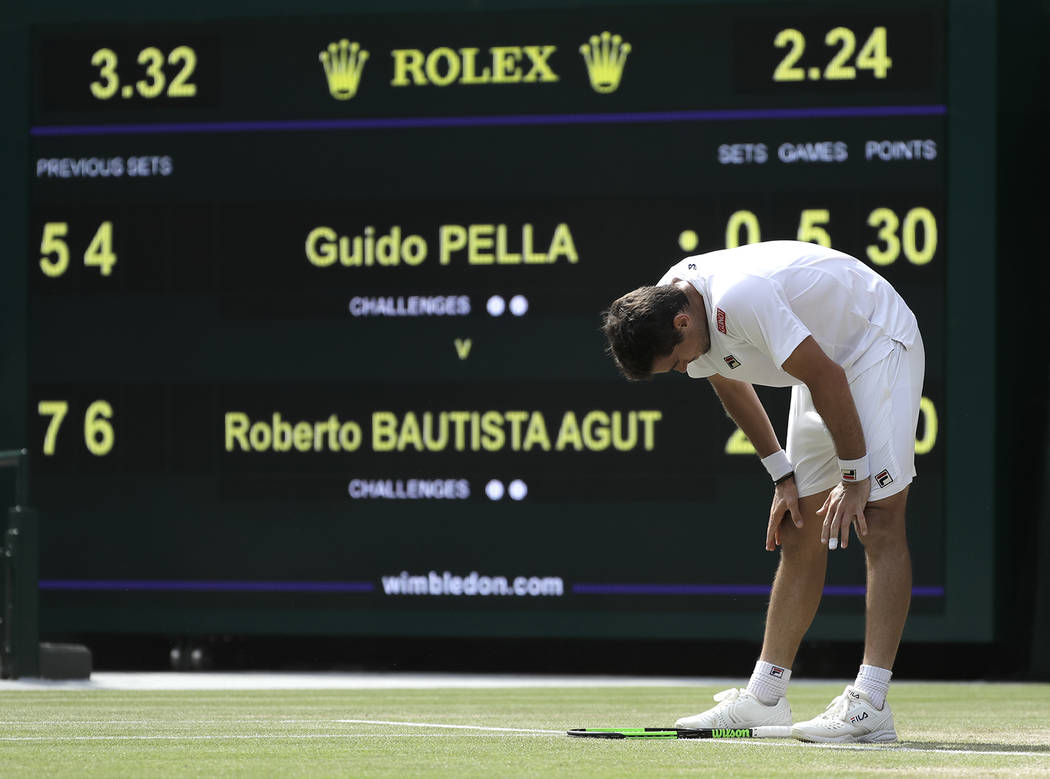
column 98, row 429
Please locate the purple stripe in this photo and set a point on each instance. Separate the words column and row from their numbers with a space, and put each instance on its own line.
column 223, row 585
column 725, row 589
column 387, row 123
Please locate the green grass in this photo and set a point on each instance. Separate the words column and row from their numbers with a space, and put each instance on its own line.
column 947, row 729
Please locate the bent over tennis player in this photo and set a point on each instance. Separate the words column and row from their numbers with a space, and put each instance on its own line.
column 786, row 313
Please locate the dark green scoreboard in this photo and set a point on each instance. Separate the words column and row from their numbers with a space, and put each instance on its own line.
column 312, row 309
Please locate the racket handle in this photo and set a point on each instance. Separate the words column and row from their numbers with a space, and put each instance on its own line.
column 773, row 731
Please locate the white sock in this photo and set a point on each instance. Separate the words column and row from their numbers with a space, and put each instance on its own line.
column 875, row 683
column 768, row 682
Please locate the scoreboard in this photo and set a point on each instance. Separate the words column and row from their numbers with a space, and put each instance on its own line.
column 312, row 309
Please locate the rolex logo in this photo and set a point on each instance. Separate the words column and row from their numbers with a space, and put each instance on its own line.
column 343, row 63
column 605, row 56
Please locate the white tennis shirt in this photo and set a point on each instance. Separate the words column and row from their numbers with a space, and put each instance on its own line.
column 763, row 299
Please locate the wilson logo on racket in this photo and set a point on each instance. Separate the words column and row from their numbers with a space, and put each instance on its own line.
column 731, row 733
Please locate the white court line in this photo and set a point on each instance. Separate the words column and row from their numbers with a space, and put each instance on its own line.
column 365, row 680
column 482, row 730
column 878, row 748
column 439, row 725
column 248, row 736
column 756, row 742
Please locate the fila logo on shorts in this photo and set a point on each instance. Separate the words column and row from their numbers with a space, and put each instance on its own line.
column 720, row 316
column 883, row 477
column 731, row 361
column 777, row 672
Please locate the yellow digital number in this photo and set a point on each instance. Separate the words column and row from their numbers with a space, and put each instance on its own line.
column 100, row 251
column 155, row 82
column 98, row 432
column 742, row 220
column 837, row 69
column 52, row 243
column 153, row 59
column 873, row 54
column 180, row 86
column 56, row 409
column 739, row 443
column 889, row 223
column 809, row 228
column 928, row 413
column 912, row 220
column 106, row 62
column 786, row 70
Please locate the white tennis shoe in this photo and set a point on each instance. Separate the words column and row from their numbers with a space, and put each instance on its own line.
column 850, row 717
column 737, row 708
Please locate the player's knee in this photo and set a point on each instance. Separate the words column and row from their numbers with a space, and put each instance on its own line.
column 886, row 530
column 801, row 541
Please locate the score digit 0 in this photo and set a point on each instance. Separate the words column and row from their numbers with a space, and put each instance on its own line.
column 54, row 249
column 915, row 235
column 811, row 225
column 98, row 429
column 739, row 443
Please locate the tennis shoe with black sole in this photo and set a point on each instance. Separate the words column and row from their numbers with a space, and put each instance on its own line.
column 849, row 718
column 738, row 708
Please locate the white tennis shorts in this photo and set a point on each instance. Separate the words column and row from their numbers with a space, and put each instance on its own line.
column 887, row 397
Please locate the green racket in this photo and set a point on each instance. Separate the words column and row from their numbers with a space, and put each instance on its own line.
column 767, row 731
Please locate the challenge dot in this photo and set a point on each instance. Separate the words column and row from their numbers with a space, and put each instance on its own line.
column 519, row 304
column 518, row 490
column 688, row 240
column 494, row 489
column 496, row 305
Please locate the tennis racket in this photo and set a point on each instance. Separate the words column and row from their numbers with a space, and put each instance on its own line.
column 767, row 731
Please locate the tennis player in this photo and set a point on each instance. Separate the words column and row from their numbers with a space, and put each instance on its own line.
column 786, row 313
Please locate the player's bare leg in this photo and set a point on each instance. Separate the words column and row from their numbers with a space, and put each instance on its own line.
column 793, row 603
column 889, row 579
column 798, row 585
column 861, row 712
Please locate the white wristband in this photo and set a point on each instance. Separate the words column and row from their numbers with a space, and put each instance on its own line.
column 854, row 471
column 777, row 465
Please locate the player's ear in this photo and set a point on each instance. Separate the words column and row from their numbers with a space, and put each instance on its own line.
column 681, row 320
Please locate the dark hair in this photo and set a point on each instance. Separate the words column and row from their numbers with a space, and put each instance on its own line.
column 639, row 327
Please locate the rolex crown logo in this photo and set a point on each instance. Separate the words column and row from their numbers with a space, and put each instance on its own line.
column 605, row 56
column 343, row 63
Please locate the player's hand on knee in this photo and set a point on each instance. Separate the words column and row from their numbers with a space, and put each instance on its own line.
column 785, row 503
column 843, row 507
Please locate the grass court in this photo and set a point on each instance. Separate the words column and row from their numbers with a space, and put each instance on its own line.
column 950, row 729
